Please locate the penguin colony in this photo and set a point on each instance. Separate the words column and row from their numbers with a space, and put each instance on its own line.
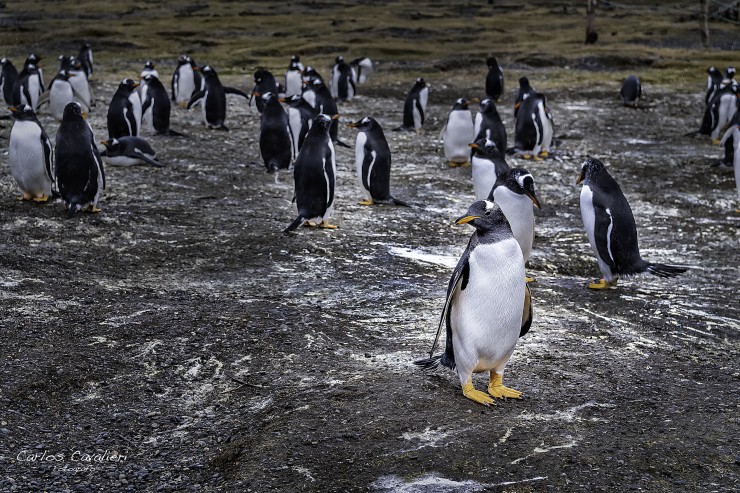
column 301, row 138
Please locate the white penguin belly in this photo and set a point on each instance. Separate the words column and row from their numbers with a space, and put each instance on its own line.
column 185, row 84
column 310, row 97
column 27, row 160
column 34, row 89
column 359, row 160
column 547, row 129
column 123, row 160
column 484, row 177
column 60, row 95
column 82, row 87
column 457, row 136
column 295, row 124
column 136, row 104
column 727, row 109
column 588, row 215
column 518, row 211
column 293, row 83
column 486, row 317
column 736, row 163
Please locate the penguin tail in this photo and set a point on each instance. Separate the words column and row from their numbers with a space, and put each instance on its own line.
column 400, row 202
column 295, row 224
column 341, row 144
column 429, row 364
column 663, row 270
column 171, row 133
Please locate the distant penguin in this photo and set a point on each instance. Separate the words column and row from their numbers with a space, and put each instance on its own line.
column 488, row 306
column 8, row 76
column 457, row 133
column 315, row 175
column 733, row 136
column 28, row 87
column 183, row 81
column 415, row 106
column 276, row 146
column 79, row 168
column 363, row 67
column 631, row 91
column 488, row 163
column 30, row 156
column 80, row 84
column 730, row 77
column 264, row 82
column 488, row 125
column 325, row 104
column 714, row 79
column 212, row 99
column 297, row 60
column 533, row 127
column 373, row 163
column 129, row 151
column 293, row 80
column 729, row 141
column 122, row 120
column 611, row 230
column 300, row 117
column 65, row 63
column 342, row 81
column 514, row 193
column 150, row 68
column 524, row 89
column 156, row 106
column 61, row 93
column 724, row 106
column 85, row 56
column 494, row 79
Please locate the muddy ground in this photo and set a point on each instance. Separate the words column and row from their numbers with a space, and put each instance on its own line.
column 179, row 341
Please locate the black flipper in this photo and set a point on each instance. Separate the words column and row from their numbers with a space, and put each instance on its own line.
column 663, row 270
column 232, row 90
column 197, row 96
column 341, row 144
column 527, row 315
column 295, row 224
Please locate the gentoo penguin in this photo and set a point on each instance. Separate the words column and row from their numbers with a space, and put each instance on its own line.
column 212, row 99
column 61, row 93
column 183, row 81
column 315, row 174
column 85, row 56
column 150, row 68
column 300, row 117
column 309, row 76
column 524, row 88
column 8, row 76
column 514, row 193
column 325, row 104
column 293, row 79
column 65, row 63
column 488, row 306
column 494, row 79
column 297, row 60
column 610, row 227
column 80, row 84
column 28, row 87
column 631, row 91
column 714, row 79
column 30, row 156
column 129, row 151
column 121, row 117
column 156, row 106
column 488, row 125
column 276, row 146
column 79, row 169
column 373, row 163
column 723, row 107
column 730, row 76
column 457, row 133
column 264, row 82
column 488, row 163
column 533, row 127
column 342, row 86
column 363, row 67
column 415, row 106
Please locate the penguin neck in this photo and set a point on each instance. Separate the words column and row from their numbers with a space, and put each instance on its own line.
column 492, row 234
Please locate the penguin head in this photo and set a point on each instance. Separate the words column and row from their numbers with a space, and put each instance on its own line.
column 520, row 181
column 365, row 124
column 183, row 59
column 485, row 148
column 591, row 168
column 420, row 82
column 295, row 58
column 4, row 61
column 324, row 121
column 72, row 112
column 486, row 105
column 64, row 74
column 339, row 60
column 293, row 65
column 32, row 59
column 491, row 61
column 484, row 216
column 75, row 63
column 112, row 147
column 730, row 72
column 207, row 71
column 266, row 97
column 127, row 85
column 260, row 75
column 461, row 104
column 150, row 65
column 148, row 78
column 22, row 113
column 316, row 83
column 524, row 83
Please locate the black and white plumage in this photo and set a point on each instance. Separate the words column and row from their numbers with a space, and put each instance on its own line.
column 78, row 166
column 30, row 156
column 611, row 230
column 514, row 193
column 8, row 76
column 343, row 77
column 415, row 106
column 731, row 143
column 85, row 56
column 212, row 99
column 315, row 174
column 373, row 163
column 326, row 105
column 122, row 113
column 29, row 85
column 156, row 106
column 488, row 124
column 276, row 145
column 264, row 82
column 458, row 133
column 81, row 84
column 363, row 67
column 310, row 75
column 300, row 117
column 488, row 163
column 293, row 79
column 488, row 306
column 524, row 89
column 714, row 79
column 631, row 91
column 533, row 127
column 61, row 93
column 184, row 83
column 150, row 68
column 494, row 79
column 129, row 151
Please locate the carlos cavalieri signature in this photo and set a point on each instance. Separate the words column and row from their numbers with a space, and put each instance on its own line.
column 106, row 457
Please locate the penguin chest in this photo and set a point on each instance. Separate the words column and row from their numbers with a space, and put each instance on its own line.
column 293, row 83
column 61, row 93
column 458, row 134
column 588, row 214
column 486, row 315
column 363, row 173
column 518, row 211
column 34, row 90
column 185, row 84
column 27, row 158
column 484, row 177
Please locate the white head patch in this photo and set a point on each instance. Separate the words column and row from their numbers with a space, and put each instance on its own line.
column 365, row 120
column 520, row 179
column 489, row 205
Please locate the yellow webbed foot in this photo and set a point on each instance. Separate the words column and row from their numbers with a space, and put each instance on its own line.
column 528, row 279
column 310, row 224
column 497, row 389
column 526, row 156
column 716, row 142
column 25, row 196
column 183, row 104
column 43, row 198
column 326, row 225
column 476, row 395
column 93, row 209
column 602, row 284
column 366, row 202
column 544, row 154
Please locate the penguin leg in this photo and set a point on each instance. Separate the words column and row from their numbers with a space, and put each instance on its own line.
column 497, row 389
column 366, row 202
column 25, row 196
column 93, row 209
column 310, row 224
column 716, row 142
column 543, row 154
column 602, row 284
column 528, row 279
column 476, row 395
column 326, row 225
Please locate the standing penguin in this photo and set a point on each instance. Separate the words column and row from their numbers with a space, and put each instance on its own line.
column 61, row 93
column 315, row 175
column 524, row 89
column 30, row 156
column 300, row 117
column 85, row 56
column 28, row 87
column 514, row 193
column 342, row 81
column 212, row 99
column 121, row 117
column 610, row 227
column 631, row 91
column 293, row 79
column 714, row 79
column 183, row 81
column 79, row 169
column 275, row 143
column 309, row 76
column 156, row 106
column 363, row 67
column 494, row 79
column 8, row 76
column 373, row 163
column 488, row 306
column 533, row 127
column 415, row 106
column 458, row 133
column 723, row 107
column 325, row 104
column 129, row 151
column 488, row 125
column 264, row 82
column 488, row 164
column 80, row 84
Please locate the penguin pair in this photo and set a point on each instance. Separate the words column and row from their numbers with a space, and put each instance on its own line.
column 129, row 151
column 533, row 127
column 721, row 103
column 186, row 80
column 457, row 134
column 276, row 144
column 212, row 99
column 29, row 85
column 373, row 163
column 8, row 76
column 631, row 91
column 415, row 106
column 487, row 308
column 363, row 67
column 310, row 76
column 494, row 80
column 488, row 125
column 611, row 230
column 342, row 80
column 30, row 156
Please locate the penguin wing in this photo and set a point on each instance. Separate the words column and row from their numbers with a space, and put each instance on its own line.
column 196, row 98
column 138, row 154
column 603, row 228
column 232, row 90
column 367, row 165
column 419, row 108
column 175, row 83
column 527, row 315
column 48, row 155
column 98, row 161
